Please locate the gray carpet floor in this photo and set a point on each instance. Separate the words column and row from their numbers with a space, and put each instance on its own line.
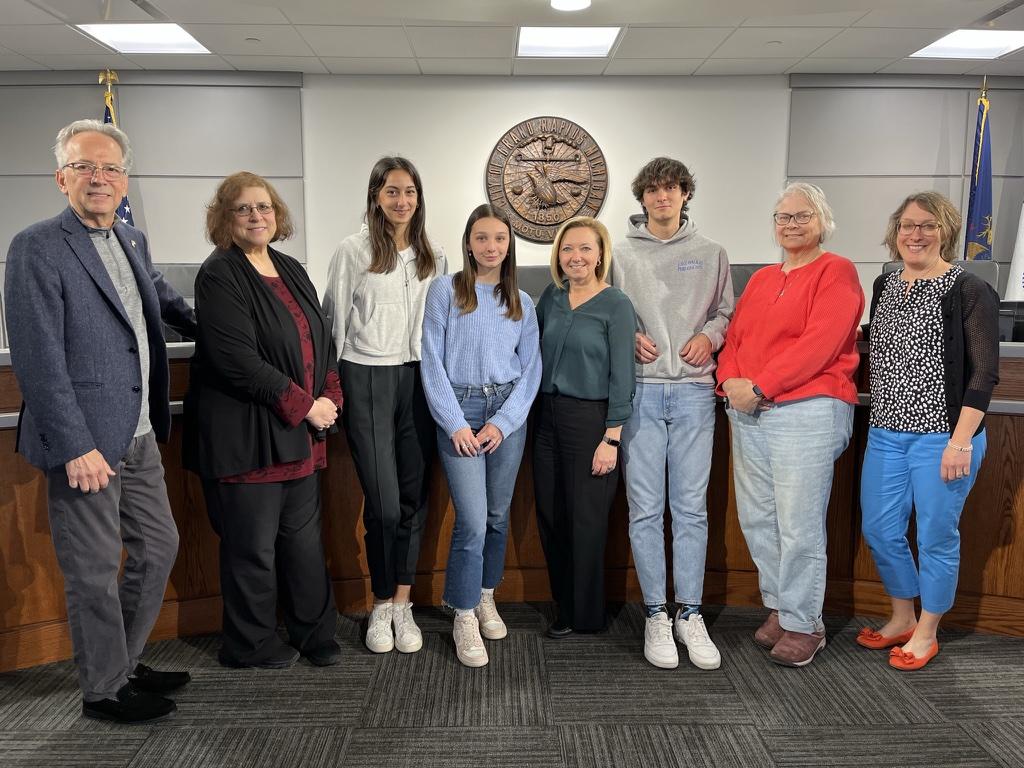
column 578, row 702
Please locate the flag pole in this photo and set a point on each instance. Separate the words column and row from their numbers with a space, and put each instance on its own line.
column 108, row 77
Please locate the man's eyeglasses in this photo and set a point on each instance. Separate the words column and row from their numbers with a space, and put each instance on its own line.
column 245, row 210
column 800, row 218
column 88, row 170
column 928, row 228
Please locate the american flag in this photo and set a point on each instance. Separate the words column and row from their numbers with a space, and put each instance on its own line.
column 124, row 210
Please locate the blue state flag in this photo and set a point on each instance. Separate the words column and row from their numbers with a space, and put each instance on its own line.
column 978, row 243
column 124, row 210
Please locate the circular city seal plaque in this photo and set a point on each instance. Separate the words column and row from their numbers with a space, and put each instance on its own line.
column 543, row 172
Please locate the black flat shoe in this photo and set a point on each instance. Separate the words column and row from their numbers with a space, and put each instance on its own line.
column 559, row 629
column 282, row 658
column 325, row 656
column 153, row 681
column 129, row 706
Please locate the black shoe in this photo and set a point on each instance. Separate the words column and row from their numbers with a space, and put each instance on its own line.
column 559, row 629
column 152, row 681
column 282, row 658
column 325, row 656
column 130, row 705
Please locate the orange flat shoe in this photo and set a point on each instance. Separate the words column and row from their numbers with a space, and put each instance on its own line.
column 906, row 661
column 869, row 638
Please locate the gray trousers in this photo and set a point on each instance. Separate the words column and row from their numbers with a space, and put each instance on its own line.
column 111, row 618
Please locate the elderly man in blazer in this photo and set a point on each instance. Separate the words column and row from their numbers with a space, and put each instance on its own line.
column 85, row 309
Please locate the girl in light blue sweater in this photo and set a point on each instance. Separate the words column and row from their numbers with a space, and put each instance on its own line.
column 481, row 371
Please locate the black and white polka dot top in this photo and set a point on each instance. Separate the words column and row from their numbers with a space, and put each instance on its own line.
column 908, row 391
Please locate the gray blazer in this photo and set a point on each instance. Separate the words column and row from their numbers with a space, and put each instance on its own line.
column 72, row 345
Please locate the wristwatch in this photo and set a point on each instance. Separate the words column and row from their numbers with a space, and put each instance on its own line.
column 758, row 392
column 611, row 441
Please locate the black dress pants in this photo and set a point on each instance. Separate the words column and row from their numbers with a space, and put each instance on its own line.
column 271, row 544
column 573, row 505
column 393, row 441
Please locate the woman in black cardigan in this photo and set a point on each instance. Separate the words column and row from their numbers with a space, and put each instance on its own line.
column 262, row 396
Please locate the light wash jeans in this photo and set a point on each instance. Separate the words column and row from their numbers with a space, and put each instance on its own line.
column 783, row 460
column 901, row 470
column 481, row 488
column 672, row 424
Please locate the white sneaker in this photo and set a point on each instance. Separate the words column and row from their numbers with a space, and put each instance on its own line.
column 469, row 646
column 659, row 647
column 491, row 625
column 408, row 638
column 378, row 634
column 692, row 633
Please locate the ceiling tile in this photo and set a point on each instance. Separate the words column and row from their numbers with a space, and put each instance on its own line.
column 308, row 64
column 233, row 39
column 1001, row 67
column 172, row 61
column 12, row 61
column 20, row 12
column 219, row 12
column 745, row 66
column 839, row 66
column 773, row 42
column 670, row 42
column 358, row 42
column 466, row 66
column 79, row 12
column 356, row 66
column 929, row 14
column 85, row 61
column 1010, row 20
column 652, row 66
column 931, row 66
column 52, row 38
column 872, row 43
column 811, row 19
column 458, row 42
column 559, row 66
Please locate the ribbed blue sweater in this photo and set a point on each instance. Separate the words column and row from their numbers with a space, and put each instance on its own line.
column 471, row 350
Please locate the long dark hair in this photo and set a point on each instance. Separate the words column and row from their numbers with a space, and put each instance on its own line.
column 464, row 282
column 382, row 231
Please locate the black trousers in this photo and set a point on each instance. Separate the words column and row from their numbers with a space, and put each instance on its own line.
column 270, row 545
column 573, row 505
column 393, row 441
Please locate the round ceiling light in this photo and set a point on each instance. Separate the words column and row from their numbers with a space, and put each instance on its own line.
column 570, row 5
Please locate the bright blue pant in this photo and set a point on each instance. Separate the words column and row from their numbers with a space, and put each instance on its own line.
column 901, row 471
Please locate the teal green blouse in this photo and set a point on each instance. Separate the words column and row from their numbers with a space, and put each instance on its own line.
column 588, row 352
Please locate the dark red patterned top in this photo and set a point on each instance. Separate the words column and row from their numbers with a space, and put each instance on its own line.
column 294, row 403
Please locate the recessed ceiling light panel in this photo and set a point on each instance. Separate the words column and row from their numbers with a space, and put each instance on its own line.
column 570, row 5
column 144, row 38
column 973, row 44
column 563, row 42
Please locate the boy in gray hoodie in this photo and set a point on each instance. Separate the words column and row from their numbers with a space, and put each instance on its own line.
column 679, row 283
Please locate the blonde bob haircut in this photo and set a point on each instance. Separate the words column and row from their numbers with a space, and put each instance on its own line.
column 604, row 241
column 946, row 215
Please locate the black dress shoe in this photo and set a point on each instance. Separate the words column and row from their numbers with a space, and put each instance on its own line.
column 559, row 630
column 282, row 658
column 153, row 681
column 129, row 705
column 326, row 655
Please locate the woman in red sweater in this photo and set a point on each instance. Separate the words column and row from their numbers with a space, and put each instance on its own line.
column 787, row 370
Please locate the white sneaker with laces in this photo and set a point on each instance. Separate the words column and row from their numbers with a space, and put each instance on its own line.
column 469, row 646
column 491, row 625
column 692, row 633
column 408, row 638
column 378, row 634
column 659, row 647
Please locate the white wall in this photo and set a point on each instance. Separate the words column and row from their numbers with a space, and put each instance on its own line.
column 732, row 132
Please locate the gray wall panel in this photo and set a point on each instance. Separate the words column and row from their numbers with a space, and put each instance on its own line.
column 213, row 131
column 877, row 132
column 27, row 199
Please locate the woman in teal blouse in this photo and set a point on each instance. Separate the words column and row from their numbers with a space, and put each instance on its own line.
column 587, row 338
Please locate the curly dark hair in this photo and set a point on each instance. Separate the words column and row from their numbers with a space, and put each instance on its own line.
column 665, row 170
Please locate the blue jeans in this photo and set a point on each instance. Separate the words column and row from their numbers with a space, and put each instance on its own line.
column 673, row 425
column 783, row 460
column 901, row 470
column 481, row 488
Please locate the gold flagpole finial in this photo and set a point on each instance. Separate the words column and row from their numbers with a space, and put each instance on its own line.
column 108, row 77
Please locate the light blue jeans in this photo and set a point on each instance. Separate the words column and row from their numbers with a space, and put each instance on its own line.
column 481, row 488
column 901, row 470
column 783, row 460
column 672, row 425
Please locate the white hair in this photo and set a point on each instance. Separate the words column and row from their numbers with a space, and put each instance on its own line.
column 60, row 149
column 815, row 197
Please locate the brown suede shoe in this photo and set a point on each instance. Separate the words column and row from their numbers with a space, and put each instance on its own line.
column 797, row 649
column 769, row 633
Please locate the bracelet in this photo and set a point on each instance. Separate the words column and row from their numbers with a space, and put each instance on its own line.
column 960, row 448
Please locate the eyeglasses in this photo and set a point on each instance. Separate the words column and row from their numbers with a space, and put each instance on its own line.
column 800, row 218
column 88, row 170
column 245, row 210
column 928, row 228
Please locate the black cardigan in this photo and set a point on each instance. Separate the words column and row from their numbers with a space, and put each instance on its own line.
column 247, row 354
column 970, row 331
